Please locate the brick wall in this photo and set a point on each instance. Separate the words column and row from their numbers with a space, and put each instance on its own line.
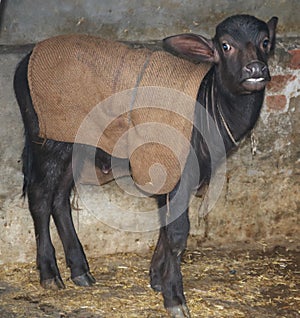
column 285, row 79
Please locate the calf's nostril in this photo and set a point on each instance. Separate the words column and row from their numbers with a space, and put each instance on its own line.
column 255, row 68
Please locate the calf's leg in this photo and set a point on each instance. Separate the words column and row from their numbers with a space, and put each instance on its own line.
column 176, row 234
column 49, row 187
column 75, row 256
column 165, row 271
column 39, row 205
column 159, row 255
column 40, row 191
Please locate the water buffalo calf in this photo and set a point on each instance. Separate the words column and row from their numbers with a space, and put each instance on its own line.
column 232, row 94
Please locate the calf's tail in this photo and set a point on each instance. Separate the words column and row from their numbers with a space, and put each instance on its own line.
column 27, row 164
column 22, row 94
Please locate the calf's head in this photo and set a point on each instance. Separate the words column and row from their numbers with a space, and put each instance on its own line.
column 239, row 50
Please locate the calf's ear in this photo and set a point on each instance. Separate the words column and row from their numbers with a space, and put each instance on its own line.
column 191, row 46
column 272, row 24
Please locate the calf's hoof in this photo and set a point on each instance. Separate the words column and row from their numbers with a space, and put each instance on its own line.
column 180, row 311
column 53, row 283
column 155, row 281
column 84, row 280
column 155, row 284
column 156, row 288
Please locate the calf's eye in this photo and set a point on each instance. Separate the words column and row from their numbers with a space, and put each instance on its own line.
column 266, row 43
column 226, row 47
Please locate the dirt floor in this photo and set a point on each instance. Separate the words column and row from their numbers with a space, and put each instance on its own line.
column 218, row 283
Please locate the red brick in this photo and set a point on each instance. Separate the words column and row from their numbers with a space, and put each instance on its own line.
column 295, row 59
column 276, row 102
column 279, row 82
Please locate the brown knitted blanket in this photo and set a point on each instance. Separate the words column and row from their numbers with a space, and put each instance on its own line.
column 132, row 103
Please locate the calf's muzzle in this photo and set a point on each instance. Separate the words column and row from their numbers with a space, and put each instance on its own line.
column 255, row 76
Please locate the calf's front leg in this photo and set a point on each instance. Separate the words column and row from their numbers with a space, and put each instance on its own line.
column 176, row 234
column 165, row 271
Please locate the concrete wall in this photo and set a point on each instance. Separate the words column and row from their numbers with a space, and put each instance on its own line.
column 27, row 21
column 260, row 198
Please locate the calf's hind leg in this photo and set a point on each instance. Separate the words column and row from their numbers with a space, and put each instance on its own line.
column 39, row 205
column 40, row 185
column 49, row 187
column 75, row 257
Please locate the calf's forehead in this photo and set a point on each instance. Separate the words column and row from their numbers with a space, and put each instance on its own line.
column 242, row 28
